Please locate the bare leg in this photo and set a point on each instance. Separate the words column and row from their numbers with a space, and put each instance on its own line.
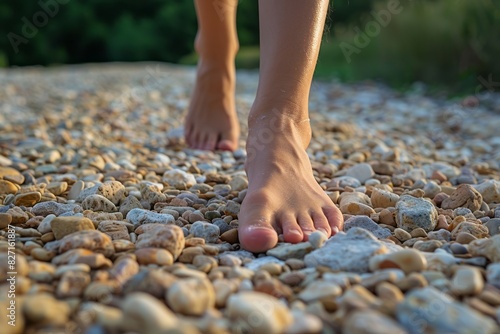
column 283, row 195
column 212, row 122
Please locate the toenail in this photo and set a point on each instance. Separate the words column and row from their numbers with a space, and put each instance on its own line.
column 323, row 230
column 335, row 229
column 295, row 232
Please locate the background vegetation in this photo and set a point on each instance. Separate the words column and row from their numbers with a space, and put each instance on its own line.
column 438, row 42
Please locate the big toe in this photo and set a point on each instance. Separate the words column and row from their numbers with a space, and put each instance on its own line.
column 226, row 145
column 257, row 238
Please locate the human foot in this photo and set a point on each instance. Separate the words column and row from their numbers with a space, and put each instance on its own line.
column 212, row 123
column 283, row 196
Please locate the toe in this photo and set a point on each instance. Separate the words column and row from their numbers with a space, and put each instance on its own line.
column 257, row 238
column 335, row 219
column 306, row 225
column 321, row 223
column 226, row 145
column 291, row 230
column 209, row 143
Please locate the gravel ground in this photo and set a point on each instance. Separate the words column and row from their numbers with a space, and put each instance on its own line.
column 108, row 224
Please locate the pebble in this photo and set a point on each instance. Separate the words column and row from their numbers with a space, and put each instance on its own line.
column 467, row 281
column 98, row 203
column 5, row 220
column 408, row 260
column 53, row 312
column 116, row 229
column 179, row 179
column 72, row 284
column 191, row 296
column 447, row 316
column 320, row 290
column 317, row 239
column 412, row 213
column 290, row 251
column 128, row 204
column 141, row 216
column 369, row 321
column 489, row 248
column 143, row 313
column 207, row 231
column 361, row 172
column 156, row 256
column 367, row 224
column 349, row 251
column 383, row 199
column 169, row 237
column 493, row 226
column 111, row 190
column 27, row 199
column 63, row 226
column 47, row 208
column 464, row 196
column 88, row 239
column 493, row 274
column 256, row 312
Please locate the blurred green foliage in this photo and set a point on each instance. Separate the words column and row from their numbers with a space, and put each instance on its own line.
column 451, row 42
column 433, row 41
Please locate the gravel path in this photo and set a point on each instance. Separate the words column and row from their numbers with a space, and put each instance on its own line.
column 108, row 224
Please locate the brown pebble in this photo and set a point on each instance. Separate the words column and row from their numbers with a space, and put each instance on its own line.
column 481, row 306
column 389, row 292
column 230, row 236
column 47, row 237
column 418, row 233
column 28, row 199
column 412, row 281
column 5, row 220
column 465, row 238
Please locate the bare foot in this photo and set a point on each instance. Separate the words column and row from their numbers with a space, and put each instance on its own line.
column 283, row 196
column 212, row 123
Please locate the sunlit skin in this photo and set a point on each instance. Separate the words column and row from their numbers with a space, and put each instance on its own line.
column 283, row 197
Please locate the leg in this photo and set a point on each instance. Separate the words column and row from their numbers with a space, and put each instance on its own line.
column 211, row 122
column 283, row 195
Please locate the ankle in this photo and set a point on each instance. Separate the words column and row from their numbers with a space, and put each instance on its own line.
column 223, row 52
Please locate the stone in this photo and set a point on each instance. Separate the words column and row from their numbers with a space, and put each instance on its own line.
column 238, row 183
column 152, row 281
column 7, row 187
column 361, row 172
column 408, row 260
column 289, row 251
column 191, row 296
column 493, row 226
column 11, row 174
column 383, row 199
column 169, row 237
column 18, row 216
column 112, row 190
column 63, row 226
column 83, row 256
column 140, row 216
column 98, row 203
column 371, row 322
column 464, row 196
column 412, row 212
column 464, row 238
column 179, row 179
column 304, row 323
column 256, row 312
column 467, row 281
column 232, row 209
column 320, row 290
column 157, row 256
column 75, row 190
column 129, row 203
column 489, row 190
column 115, row 229
column 367, row 224
column 401, row 234
column 72, row 284
column 207, row 231
column 5, row 220
column 440, row 261
column 27, row 199
column 142, row 313
column 230, row 236
column 493, row 275
column 447, row 316
column 317, row 239
column 46, row 208
column 344, row 181
column 349, row 251
column 42, row 309
column 476, row 229
column 489, row 248
column 152, row 193
column 95, row 241
column 427, row 245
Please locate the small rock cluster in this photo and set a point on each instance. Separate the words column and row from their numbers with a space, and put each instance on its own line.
column 121, row 229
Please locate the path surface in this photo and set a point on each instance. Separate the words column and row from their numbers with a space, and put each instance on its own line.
column 109, row 224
